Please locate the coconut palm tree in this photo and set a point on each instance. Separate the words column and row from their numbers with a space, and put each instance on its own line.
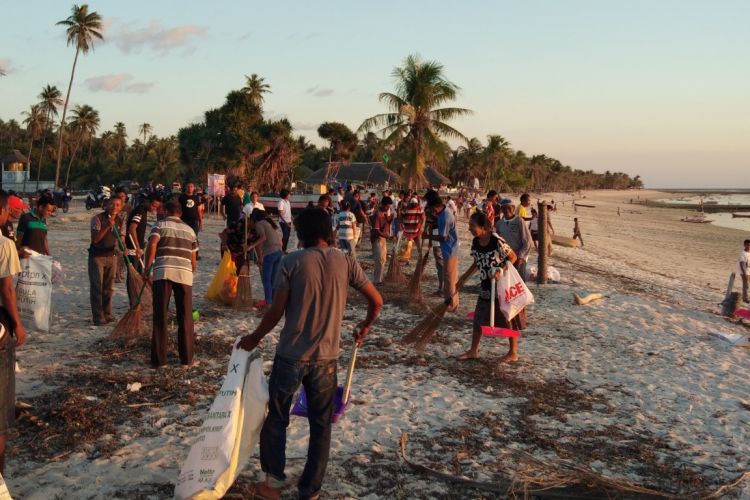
column 82, row 28
column 415, row 119
column 145, row 129
column 255, row 87
column 84, row 125
column 49, row 99
column 35, row 123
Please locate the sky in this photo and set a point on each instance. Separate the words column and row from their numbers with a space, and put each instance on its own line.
column 659, row 88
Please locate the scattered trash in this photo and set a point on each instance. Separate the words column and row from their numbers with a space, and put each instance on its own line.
column 580, row 301
column 134, row 387
column 733, row 339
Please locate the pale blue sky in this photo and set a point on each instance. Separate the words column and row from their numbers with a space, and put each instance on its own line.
column 659, row 88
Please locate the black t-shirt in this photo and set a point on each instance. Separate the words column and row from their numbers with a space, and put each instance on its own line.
column 233, row 208
column 190, row 204
column 34, row 232
column 138, row 216
column 489, row 258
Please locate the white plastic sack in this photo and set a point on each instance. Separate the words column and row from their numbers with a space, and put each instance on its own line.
column 230, row 432
column 553, row 274
column 58, row 275
column 4, row 493
column 34, row 292
column 512, row 293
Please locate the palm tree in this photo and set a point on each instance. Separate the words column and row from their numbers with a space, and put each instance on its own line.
column 35, row 124
column 84, row 124
column 145, row 129
column 255, row 87
column 82, row 27
column 497, row 159
column 49, row 99
column 416, row 119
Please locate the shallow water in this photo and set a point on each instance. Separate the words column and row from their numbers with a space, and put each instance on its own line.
column 723, row 219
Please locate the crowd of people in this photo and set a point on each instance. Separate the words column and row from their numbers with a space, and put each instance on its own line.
column 307, row 285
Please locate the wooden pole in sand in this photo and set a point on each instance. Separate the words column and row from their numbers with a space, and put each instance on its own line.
column 541, row 274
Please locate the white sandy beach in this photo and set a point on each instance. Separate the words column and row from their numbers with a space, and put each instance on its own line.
column 631, row 387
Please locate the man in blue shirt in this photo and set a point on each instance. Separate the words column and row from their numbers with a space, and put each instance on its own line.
column 448, row 238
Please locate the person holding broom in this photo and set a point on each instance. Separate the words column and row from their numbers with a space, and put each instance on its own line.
column 491, row 253
column 448, row 238
column 102, row 265
column 380, row 233
column 172, row 248
column 135, row 240
column 310, row 292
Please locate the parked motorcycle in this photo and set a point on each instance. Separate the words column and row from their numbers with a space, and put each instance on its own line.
column 96, row 199
column 62, row 199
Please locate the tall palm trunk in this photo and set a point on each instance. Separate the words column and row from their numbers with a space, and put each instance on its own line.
column 72, row 157
column 62, row 121
column 28, row 174
column 41, row 153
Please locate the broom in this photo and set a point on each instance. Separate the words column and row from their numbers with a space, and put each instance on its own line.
column 415, row 283
column 147, row 298
column 426, row 328
column 129, row 325
column 244, row 300
column 394, row 275
column 135, row 281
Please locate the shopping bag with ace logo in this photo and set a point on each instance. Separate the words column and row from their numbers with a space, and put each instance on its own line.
column 512, row 293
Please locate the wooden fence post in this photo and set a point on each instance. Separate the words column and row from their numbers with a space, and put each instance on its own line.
column 541, row 274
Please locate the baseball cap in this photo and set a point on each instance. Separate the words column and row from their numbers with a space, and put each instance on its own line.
column 506, row 201
column 16, row 203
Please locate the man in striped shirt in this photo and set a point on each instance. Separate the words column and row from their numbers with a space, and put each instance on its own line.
column 412, row 218
column 345, row 227
column 172, row 248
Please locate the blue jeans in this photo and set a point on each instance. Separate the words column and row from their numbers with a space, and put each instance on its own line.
column 319, row 381
column 347, row 246
column 270, row 268
column 438, row 254
column 286, row 230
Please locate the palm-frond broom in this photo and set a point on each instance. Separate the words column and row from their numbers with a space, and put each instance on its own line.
column 129, row 325
column 244, row 300
column 415, row 283
column 147, row 300
column 135, row 280
column 394, row 276
column 422, row 333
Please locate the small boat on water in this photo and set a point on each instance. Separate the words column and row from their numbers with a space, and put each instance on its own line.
column 697, row 220
column 739, row 214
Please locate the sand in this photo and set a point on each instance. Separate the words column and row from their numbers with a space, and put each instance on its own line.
column 632, row 387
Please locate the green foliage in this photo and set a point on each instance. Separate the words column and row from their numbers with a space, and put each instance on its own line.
column 342, row 140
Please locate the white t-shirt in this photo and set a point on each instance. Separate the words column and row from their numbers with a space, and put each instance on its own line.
column 9, row 263
column 744, row 257
column 452, row 206
column 248, row 209
column 285, row 211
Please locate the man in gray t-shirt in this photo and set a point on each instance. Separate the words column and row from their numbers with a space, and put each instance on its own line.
column 310, row 290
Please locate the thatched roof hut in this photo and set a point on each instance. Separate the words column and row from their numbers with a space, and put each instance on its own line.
column 435, row 178
column 15, row 157
column 375, row 173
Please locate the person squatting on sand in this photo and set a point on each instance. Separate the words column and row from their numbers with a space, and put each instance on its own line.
column 449, row 245
column 310, row 291
column 491, row 254
column 12, row 332
column 172, row 248
column 102, row 265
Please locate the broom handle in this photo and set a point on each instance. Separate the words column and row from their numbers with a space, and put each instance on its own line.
column 350, row 373
column 122, row 246
column 132, row 242
column 493, row 289
column 145, row 282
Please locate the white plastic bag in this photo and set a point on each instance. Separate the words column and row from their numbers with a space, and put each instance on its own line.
column 512, row 293
column 230, row 432
column 34, row 292
column 58, row 275
column 4, row 493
